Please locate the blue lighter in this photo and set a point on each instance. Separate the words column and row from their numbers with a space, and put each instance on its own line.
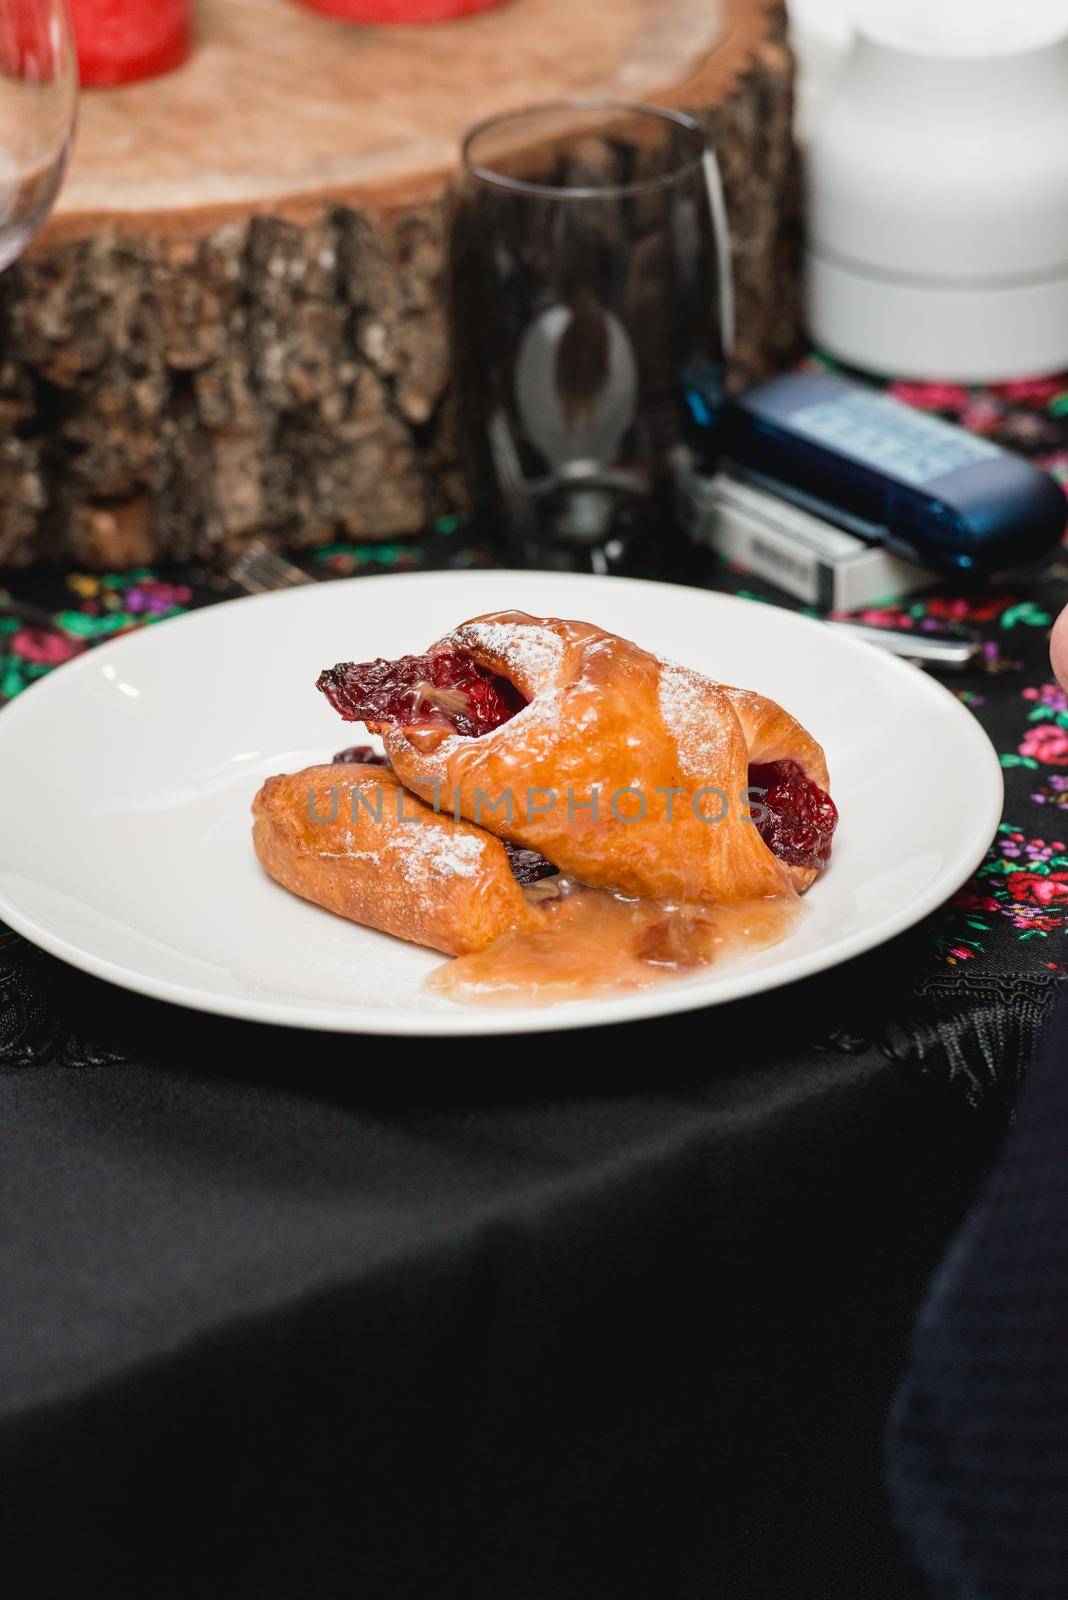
column 928, row 490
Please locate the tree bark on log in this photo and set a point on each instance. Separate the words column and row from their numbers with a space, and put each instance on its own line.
column 176, row 382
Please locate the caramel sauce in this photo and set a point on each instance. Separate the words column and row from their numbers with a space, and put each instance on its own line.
column 594, row 943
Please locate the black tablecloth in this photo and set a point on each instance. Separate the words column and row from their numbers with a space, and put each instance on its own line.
column 597, row 1315
column 609, row 1314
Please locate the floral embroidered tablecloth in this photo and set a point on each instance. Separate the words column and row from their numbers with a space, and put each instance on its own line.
column 1005, row 934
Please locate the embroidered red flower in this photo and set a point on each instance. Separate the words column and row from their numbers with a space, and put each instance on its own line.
column 877, row 617
column 1046, row 742
column 932, row 396
column 1021, row 390
column 1036, row 889
column 963, row 610
column 42, row 647
column 972, row 898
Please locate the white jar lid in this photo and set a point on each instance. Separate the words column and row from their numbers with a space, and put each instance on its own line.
column 941, row 155
column 962, row 29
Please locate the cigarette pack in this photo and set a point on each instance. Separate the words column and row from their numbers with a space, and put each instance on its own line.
column 790, row 548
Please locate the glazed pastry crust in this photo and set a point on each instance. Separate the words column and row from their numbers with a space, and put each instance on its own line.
column 607, row 717
column 350, row 839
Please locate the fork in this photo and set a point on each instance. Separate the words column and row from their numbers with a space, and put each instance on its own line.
column 259, row 570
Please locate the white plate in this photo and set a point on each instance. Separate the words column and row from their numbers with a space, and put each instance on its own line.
column 127, row 778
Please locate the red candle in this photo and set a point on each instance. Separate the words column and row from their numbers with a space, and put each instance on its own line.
column 400, row 10
column 121, row 40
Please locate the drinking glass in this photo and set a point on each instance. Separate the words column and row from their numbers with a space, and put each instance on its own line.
column 591, row 299
column 38, row 99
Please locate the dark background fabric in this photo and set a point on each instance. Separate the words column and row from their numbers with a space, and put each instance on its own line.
column 604, row 1315
column 978, row 1442
column 599, row 1315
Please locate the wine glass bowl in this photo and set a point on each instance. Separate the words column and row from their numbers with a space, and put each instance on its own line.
column 38, row 102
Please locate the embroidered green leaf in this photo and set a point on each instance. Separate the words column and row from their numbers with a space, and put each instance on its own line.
column 1017, row 761
column 84, row 627
column 377, row 554
column 1027, row 613
column 126, row 580
column 12, row 682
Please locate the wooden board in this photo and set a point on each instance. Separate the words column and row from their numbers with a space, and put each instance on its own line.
column 233, row 325
column 280, row 104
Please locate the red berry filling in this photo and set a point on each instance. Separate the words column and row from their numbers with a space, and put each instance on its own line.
column 446, row 689
column 527, row 865
column 359, row 755
column 801, row 817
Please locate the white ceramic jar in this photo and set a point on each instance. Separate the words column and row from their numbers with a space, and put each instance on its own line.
column 937, row 211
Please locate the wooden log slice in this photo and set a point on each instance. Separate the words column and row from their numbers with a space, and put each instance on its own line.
column 233, row 326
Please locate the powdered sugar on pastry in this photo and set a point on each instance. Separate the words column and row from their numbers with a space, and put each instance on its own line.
column 435, row 764
column 425, row 849
column 749, row 698
column 688, row 705
column 439, row 853
column 532, row 651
